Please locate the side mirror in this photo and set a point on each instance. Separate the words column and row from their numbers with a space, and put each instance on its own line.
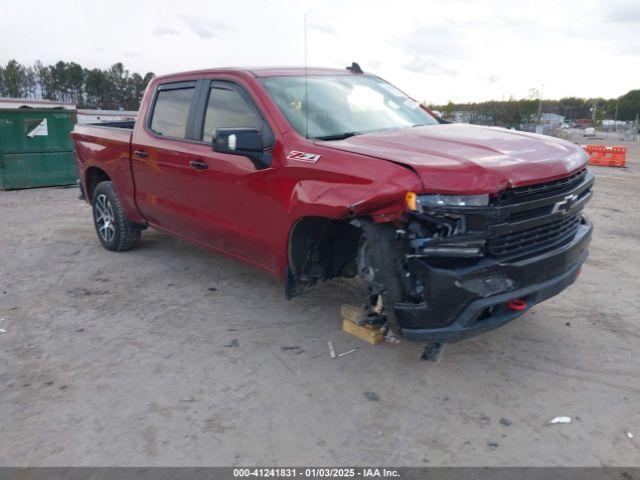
column 246, row 142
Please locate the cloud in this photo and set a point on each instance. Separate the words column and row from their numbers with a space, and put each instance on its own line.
column 203, row 27
column 434, row 50
column 323, row 25
column 624, row 11
column 631, row 48
column 443, row 40
column 375, row 63
column 429, row 67
column 161, row 31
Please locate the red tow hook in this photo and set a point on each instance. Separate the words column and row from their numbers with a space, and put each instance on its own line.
column 517, row 304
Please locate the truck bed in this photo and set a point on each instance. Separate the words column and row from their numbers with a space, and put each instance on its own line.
column 105, row 134
column 102, row 148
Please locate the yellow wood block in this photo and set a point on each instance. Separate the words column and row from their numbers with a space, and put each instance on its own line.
column 350, row 312
column 373, row 336
column 353, row 314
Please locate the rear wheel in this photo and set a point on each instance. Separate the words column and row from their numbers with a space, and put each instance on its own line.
column 115, row 231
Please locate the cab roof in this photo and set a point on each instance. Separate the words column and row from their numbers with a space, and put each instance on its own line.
column 296, row 71
column 265, row 71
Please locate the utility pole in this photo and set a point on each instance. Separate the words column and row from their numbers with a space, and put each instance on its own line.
column 540, row 106
column 615, row 117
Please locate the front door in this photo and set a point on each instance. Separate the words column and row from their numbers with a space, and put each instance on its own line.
column 234, row 198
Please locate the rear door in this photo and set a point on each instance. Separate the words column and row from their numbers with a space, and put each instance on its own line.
column 163, row 159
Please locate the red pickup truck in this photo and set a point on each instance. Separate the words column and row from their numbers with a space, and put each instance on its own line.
column 320, row 173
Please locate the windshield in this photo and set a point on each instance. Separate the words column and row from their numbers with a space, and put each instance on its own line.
column 340, row 106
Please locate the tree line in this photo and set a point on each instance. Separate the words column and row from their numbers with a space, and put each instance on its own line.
column 513, row 112
column 113, row 88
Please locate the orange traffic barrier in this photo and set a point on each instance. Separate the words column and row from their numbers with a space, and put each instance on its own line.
column 604, row 156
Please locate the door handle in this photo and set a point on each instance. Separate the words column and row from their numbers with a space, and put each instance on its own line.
column 198, row 164
column 140, row 153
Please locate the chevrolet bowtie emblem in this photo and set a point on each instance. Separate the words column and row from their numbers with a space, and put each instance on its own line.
column 563, row 206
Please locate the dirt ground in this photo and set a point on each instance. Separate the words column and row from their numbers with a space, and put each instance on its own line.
column 121, row 358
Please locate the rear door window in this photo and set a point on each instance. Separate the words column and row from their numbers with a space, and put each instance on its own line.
column 171, row 111
column 228, row 108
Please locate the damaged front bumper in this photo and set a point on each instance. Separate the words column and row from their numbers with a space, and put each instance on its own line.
column 471, row 297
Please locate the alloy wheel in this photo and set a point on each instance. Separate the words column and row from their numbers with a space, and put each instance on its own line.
column 105, row 218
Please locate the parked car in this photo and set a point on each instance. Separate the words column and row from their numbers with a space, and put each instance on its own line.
column 320, row 173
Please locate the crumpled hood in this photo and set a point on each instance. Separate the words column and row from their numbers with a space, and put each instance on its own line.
column 460, row 158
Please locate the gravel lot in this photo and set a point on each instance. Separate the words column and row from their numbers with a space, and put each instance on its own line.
column 120, row 358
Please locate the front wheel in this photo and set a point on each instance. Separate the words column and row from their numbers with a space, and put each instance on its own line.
column 115, row 231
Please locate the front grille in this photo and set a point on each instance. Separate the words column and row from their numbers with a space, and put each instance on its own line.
column 531, row 213
column 522, row 222
column 519, row 194
column 550, row 235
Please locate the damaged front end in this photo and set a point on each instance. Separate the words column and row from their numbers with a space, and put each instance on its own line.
column 456, row 266
column 474, row 263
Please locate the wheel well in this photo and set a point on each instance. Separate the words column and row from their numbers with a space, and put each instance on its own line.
column 94, row 176
column 322, row 248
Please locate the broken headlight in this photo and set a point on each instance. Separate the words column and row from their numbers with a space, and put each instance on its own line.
column 452, row 200
column 444, row 235
column 437, row 232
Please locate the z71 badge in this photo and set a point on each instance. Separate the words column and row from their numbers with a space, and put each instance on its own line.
column 303, row 156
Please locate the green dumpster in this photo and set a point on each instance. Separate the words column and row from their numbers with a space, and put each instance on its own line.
column 35, row 147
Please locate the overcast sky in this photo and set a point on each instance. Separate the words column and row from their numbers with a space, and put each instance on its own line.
column 434, row 50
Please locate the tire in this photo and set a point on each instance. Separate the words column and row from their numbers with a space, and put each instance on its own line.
column 115, row 231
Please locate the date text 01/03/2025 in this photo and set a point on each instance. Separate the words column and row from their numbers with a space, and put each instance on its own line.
column 284, row 472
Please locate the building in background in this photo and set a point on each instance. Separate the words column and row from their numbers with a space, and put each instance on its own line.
column 552, row 118
column 471, row 116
